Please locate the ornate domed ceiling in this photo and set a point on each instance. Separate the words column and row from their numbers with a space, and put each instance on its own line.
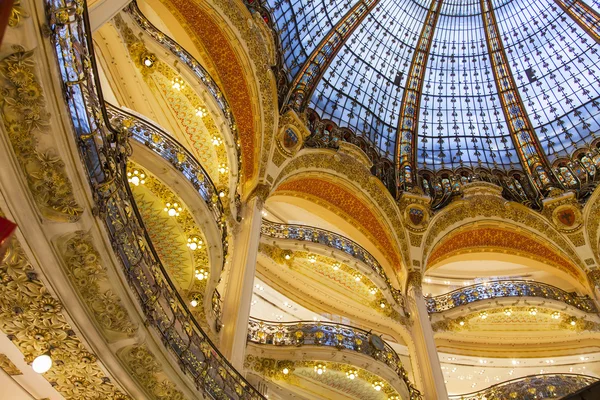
column 351, row 62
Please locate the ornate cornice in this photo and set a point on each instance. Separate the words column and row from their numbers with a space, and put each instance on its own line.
column 486, row 206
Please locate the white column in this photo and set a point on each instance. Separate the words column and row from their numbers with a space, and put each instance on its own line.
column 428, row 372
column 102, row 11
column 238, row 293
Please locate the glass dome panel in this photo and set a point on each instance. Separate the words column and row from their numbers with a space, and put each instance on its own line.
column 554, row 62
column 302, row 24
column 555, row 65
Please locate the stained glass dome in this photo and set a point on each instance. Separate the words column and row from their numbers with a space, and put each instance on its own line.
column 351, row 62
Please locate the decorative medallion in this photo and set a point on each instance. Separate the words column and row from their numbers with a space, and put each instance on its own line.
column 567, row 217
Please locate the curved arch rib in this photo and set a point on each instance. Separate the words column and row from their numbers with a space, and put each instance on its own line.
column 532, row 158
column 307, row 78
column 585, row 16
column 406, row 136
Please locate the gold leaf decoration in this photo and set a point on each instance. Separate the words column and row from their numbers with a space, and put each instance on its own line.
column 32, row 319
column 89, row 277
column 17, row 13
column 24, row 114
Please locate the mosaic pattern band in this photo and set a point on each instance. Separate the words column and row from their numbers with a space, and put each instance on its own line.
column 406, row 159
column 502, row 289
column 308, row 77
column 532, row 387
column 193, row 65
column 326, row 334
column 333, row 240
column 104, row 153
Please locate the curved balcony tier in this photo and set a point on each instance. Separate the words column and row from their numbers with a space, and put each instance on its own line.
column 507, row 289
column 313, row 236
column 104, row 152
column 532, row 387
column 331, row 335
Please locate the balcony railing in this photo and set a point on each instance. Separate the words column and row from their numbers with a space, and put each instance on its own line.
column 500, row 289
column 104, row 152
column 326, row 334
column 333, row 240
column 162, row 144
column 533, row 387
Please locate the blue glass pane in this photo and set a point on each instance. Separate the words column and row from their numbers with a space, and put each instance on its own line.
column 363, row 87
column 461, row 120
column 555, row 64
column 302, row 24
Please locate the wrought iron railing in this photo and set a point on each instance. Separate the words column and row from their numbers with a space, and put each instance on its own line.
column 192, row 64
column 507, row 288
column 327, row 334
column 533, row 387
column 163, row 144
column 333, row 240
column 104, row 152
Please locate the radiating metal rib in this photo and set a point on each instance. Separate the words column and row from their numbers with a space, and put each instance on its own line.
column 526, row 143
column 406, row 136
column 307, row 78
column 585, row 16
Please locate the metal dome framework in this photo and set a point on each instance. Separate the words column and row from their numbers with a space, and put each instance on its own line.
column 442, row 91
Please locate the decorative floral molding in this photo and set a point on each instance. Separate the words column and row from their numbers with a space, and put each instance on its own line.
column 84, row 268
column 147, row 370
column 32, row 319
column 361, row 177
column 7, row 365
column 24, row 114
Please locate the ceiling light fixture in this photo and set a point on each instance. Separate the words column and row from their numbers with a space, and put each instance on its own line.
column 173, row 209
column 136, row 177
column 201, row 112
column 177, row 83
column 320, row 369
column 377, row 385
column 483, row 315
column 42, row 363
column 533, row 311
column 508, row 312
column 201, row 274
column 194, row 243
column 351, row 374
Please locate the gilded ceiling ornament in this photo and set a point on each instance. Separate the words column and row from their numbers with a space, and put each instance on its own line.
column 480, row 203
column 17, row 14
column 593, row 223
column 24, row 113
column 32, row 319
column 148, row 372
column 88, row 275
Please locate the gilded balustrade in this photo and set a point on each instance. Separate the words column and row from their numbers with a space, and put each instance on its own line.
column 332, row 240
column 507, row 288
column 532, row 387
column 327, row 334
column 104, row 152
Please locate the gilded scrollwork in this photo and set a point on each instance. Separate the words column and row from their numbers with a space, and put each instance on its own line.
column 148, row 372
column 24, row 114
column 89, row 277
column 17, row 14
column 34, row 322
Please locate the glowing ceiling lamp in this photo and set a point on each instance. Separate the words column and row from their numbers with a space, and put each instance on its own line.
column 177, row 83
column 173, row 209
column 320, row 369
column 194, row 243
column 42, row 363
column 136, row 177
